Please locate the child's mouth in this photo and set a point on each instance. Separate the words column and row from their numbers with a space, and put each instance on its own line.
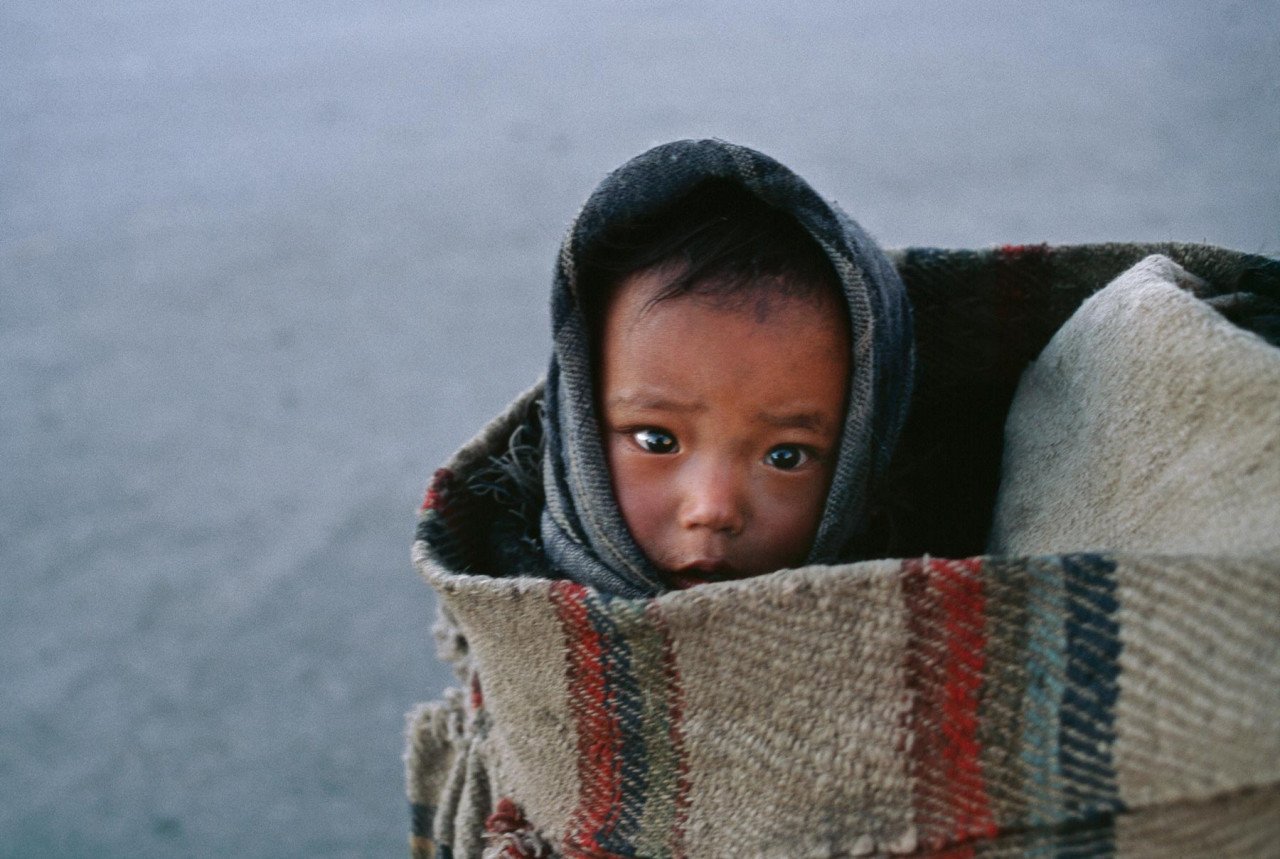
column 701, row 573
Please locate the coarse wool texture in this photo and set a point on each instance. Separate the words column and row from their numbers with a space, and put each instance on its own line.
column 881, row 707
column 582, row 531
column 1148, row 422
column 1095, row 703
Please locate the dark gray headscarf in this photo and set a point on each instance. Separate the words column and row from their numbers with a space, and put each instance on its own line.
column 583, row 532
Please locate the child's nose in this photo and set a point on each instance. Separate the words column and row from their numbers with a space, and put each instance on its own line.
column 714, row 499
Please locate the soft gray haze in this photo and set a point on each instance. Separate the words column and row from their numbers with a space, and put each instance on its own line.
column 264, row 265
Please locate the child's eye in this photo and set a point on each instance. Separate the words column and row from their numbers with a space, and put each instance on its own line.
column 655, row 440
column 785, row 457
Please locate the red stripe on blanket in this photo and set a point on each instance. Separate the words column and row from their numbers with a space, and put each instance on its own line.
column 1015, row 251
column 965, row 604
column 945, row 660
column 598, row 734
column 438, row 489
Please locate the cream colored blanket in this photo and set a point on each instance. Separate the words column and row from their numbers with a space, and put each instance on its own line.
column 1148, row 424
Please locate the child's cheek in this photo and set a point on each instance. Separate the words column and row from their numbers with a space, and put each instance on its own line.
column 639, row 481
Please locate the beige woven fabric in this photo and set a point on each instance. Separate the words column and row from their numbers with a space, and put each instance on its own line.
column 720, row 742
column 1181, row 732
column 1149, row 423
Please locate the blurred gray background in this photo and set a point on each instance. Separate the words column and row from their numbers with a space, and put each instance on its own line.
column 264, row 265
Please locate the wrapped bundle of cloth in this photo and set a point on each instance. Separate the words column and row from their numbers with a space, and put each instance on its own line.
column 1063, row 633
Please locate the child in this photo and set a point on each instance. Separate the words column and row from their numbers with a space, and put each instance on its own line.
column 733, row 361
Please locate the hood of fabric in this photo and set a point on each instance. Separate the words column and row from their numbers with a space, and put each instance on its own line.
column 582, row 529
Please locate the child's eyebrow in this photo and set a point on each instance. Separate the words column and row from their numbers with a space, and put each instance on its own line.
column 653, row 402
column 794, row 420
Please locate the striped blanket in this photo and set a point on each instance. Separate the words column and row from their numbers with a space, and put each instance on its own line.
column 1081, row 703
column 884, row 707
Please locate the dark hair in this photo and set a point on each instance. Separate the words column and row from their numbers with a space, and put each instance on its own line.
column 717, row 240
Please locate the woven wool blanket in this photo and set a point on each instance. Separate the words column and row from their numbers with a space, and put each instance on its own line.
column 883, row 707
column 1149, row 422
column 1092, row 703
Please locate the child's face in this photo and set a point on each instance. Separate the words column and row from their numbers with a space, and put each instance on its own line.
column 721, row 425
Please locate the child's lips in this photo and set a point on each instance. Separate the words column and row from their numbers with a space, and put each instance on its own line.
column 701, row 572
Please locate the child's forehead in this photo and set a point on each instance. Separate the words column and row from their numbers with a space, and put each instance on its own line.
column 766, row 348
column 640, row 299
